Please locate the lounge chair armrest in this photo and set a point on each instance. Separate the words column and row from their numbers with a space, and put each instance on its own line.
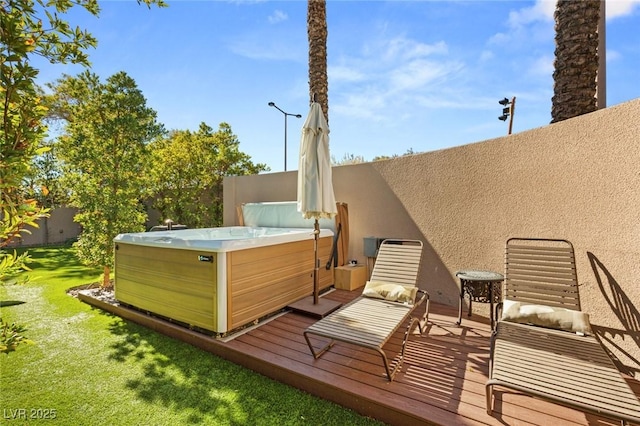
column 421, row 296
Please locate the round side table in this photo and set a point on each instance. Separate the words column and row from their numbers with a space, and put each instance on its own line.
column 483, row 286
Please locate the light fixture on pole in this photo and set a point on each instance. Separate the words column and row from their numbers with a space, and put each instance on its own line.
column 508, row 111
column 286, row 114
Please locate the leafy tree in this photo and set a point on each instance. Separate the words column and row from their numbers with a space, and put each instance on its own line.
column 410, row 151
column 28, row 28
column 22, row 35
column 348, row 159
column 11, row 336
column 187, row 173
column 43, row 182
column 104, row 157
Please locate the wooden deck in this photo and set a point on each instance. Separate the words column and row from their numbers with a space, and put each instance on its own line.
column 441, row 381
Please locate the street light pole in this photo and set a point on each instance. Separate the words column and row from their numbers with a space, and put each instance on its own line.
column 286, row 114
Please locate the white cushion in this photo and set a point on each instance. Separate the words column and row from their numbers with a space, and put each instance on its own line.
column 389, row 291
column 546, row 316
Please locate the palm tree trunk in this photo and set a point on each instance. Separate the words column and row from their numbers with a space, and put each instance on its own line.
column 576, row 63
column 317, row 35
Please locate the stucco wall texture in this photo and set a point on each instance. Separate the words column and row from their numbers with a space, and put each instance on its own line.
column 58, row 228
column 578, row 179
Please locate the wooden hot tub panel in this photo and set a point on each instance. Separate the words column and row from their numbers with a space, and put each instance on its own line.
column 265, row 279
column 169, row 282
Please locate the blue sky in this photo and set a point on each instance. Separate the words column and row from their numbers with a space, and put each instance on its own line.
column 419, row 75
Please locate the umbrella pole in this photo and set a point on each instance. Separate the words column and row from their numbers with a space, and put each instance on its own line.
column 316, row 269
column 312, row 305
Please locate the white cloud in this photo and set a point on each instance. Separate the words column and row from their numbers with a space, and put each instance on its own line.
column 266, row 49
column 499, row 39
column 277, row 17
column 542, row 10
column 341, row 73
column 453, row 100
column 244, row 2
column 394, row 73
column 405, row 49
column 361, row 105
column 542, row 66
column 486, row 55
column 417, row 74
column 617, row 8
column 613, row 55
column 527, row 23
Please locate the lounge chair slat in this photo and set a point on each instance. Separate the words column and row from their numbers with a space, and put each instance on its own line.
column 544, row 244
column 541, row 286
column 540, row 274
column 546, row 296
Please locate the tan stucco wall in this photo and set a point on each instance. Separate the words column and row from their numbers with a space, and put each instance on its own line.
column 578, row 179
column 58, row 228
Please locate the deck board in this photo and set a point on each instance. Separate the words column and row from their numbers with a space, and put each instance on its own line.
column 441, row 381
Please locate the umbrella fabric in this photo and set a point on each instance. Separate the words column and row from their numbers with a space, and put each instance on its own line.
column 315, row 187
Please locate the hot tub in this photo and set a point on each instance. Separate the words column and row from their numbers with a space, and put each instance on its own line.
column 218, row 279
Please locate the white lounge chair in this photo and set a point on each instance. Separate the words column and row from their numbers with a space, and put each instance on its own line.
column 543, row 345
column 389, row 298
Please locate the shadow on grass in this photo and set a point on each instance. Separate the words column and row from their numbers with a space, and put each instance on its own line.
column 172, row 375
column 5, row 303
column 208, row 389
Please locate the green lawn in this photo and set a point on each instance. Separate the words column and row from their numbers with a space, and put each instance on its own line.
column 87, row 367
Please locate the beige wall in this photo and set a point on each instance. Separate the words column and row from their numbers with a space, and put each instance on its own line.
column 578, row 179
column 58, row 228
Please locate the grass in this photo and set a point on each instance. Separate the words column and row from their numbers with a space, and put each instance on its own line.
column 87, row 367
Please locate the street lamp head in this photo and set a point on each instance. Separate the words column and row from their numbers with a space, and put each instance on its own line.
column 298, row 116
column 503, row 117
column 271, row 104
column 505, row 102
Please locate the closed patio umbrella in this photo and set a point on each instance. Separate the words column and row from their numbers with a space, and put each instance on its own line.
column 315, row 188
